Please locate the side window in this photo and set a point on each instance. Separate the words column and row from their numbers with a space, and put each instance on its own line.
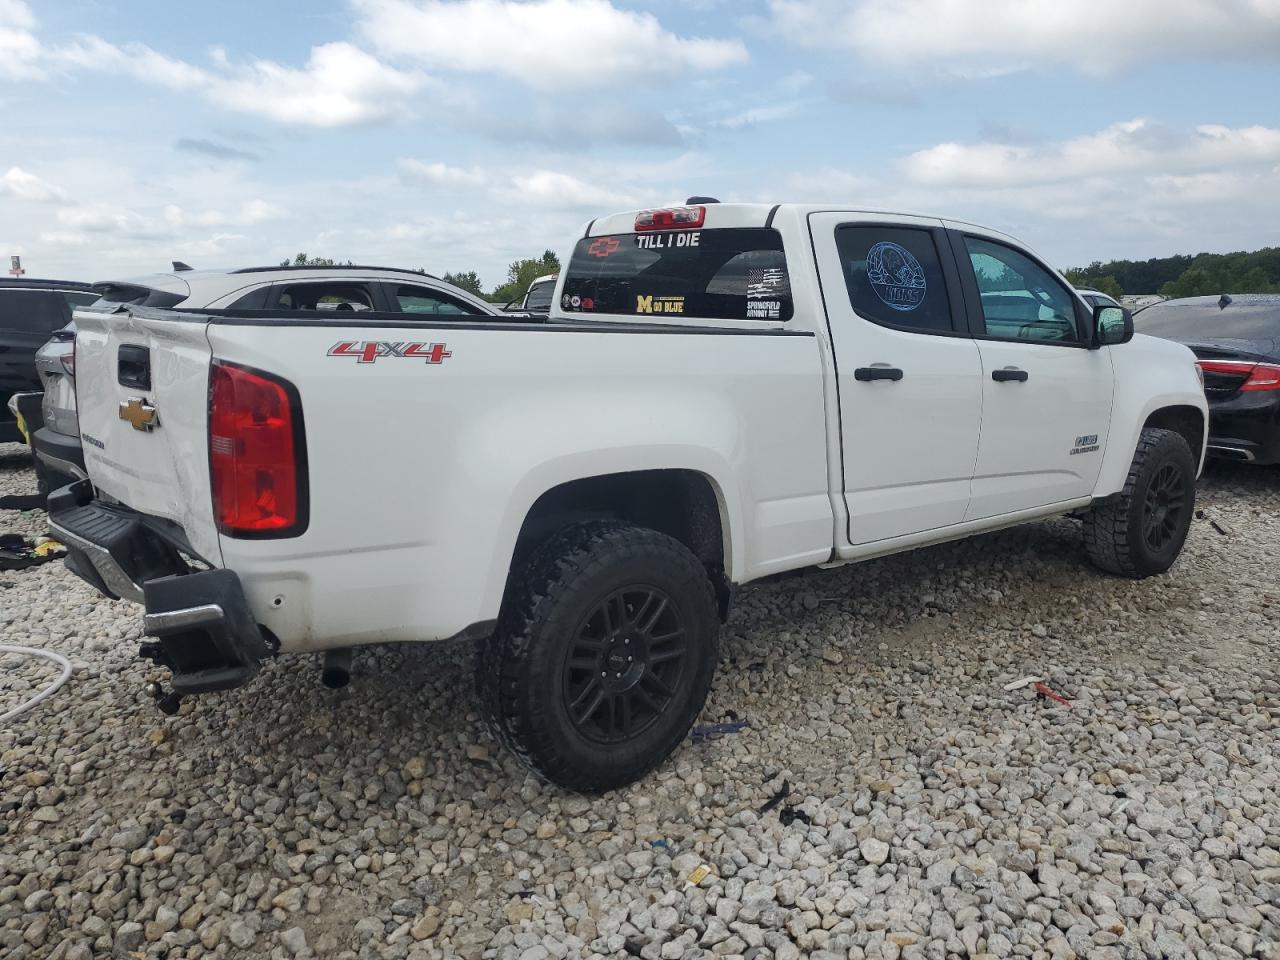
column 253, row 300
column 32, row 311
column 424, row 300
column 340, row 297
column 894, row 277
column 78, row 298
column 1020, row 299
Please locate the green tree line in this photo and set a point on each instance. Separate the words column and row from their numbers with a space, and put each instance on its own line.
column 520, row 274
column 1185, row 275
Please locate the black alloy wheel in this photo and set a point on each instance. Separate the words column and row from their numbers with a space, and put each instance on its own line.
column 625, row 664
column 603, row 654
column 1165, row 502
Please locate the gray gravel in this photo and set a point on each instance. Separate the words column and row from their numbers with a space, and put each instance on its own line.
column 930, row 813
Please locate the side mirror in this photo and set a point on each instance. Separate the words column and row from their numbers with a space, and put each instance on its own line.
column 1111, row 326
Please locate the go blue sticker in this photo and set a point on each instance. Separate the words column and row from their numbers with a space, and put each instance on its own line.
column 896, row 276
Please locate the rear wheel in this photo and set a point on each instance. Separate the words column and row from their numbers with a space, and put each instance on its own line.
column 1141, row 532
column 603, row 655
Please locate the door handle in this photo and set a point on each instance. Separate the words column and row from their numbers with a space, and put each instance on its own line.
column 133, row 366
column 877, row 373
column 1009, row 373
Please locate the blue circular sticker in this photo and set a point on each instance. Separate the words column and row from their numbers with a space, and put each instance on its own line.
column 896, row 276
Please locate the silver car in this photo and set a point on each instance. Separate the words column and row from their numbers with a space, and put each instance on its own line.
column 301, row 288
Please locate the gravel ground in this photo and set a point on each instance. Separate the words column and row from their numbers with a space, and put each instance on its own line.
column 928, row 812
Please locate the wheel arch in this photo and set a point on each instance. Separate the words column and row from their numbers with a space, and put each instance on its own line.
column 1177, row 412
column 686, row 504
column 1183, row 419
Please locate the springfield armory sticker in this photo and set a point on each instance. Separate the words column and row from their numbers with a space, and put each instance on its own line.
column 667, row 241
column 368, row 351
column 659, row 304
column 1086, row 444
column 896, row 276
column 764, row 289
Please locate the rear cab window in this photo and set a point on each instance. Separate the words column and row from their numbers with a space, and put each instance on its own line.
column 729, row 273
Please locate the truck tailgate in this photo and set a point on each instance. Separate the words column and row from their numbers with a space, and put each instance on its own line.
column 142, row 388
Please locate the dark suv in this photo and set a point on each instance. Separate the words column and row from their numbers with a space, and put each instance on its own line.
column 30, row 311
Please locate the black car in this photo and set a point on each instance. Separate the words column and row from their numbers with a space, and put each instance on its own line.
column 30, row 311
column 1237, row 341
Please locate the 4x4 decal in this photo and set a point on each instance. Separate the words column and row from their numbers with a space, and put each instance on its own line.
column 368, row 351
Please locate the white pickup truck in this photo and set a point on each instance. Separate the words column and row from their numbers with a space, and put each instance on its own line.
column 722, row 392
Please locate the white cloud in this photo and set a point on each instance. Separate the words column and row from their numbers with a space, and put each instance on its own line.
column 1134, row 146
column 340, row 85
column 830, row 184
column 261, row 211
column 19, row 48
column 250, row 213
column 27, row 186
column 550, row 44
column 565, row 191
column 65, row 238
column 754, row 116
column 1135, row 189
column 134, row 60
column 119, row 221
column 17, row 15
column 418, row 171
column 173, row 221
column 1097, row 36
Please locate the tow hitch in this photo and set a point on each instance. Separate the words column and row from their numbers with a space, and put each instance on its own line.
column 167, row 700
column 204, row 633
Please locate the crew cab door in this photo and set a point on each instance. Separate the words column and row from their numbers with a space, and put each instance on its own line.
column 908, row 373
column 1046, row 397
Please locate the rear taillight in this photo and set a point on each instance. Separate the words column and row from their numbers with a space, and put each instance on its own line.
column 1257, row 376
column 671, row 218
column 257, row 453
column 69, row 363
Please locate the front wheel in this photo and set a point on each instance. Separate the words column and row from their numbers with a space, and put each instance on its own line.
column 1141, row 532
column 603, row 655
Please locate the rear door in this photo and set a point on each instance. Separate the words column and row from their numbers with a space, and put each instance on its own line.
column 908, row 372
column 142, row 384
column 1046, row 397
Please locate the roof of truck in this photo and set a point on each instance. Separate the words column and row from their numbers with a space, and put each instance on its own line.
column 729, row 215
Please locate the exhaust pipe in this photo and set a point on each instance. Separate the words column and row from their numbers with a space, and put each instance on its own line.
column 335, row 672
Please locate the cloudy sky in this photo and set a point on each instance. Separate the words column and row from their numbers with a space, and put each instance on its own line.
column 463, row 134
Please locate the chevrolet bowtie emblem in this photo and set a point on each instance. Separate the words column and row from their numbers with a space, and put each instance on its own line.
column 140, row 413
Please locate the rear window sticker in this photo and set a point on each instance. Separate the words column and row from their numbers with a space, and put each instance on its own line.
column 765, row 283
column 896, row 276
column 603, row 246
column 651, row 304
column 667, row 241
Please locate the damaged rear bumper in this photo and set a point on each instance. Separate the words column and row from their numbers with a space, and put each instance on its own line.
column 203, row 629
